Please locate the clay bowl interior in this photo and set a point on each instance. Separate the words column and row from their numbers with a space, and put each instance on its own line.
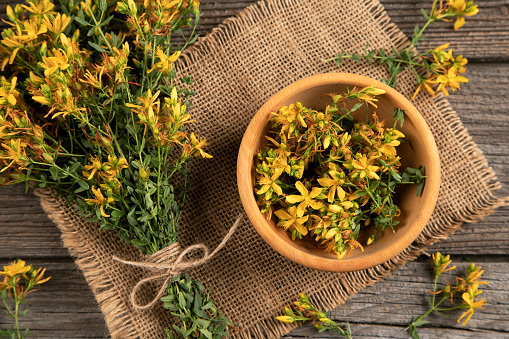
column 420, row 150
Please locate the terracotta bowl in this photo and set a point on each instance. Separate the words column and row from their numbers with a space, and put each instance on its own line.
column 415, row 211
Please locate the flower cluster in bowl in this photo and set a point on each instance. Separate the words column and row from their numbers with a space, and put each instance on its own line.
column 327, row 177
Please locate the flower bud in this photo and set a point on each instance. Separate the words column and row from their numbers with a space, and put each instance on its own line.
column 285, row 319
column 143, row 174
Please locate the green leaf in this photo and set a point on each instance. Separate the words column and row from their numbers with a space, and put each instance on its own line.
column 81, row 21
column 83, row 184
column 414, row 333
column 54, row 172
column 420, row 323
column 97, row 47
column 202, row 323
column 206, row 333
column 398, row 115
column 182, row 300
column 139, row 243
column 424, row 14
column 356, row 107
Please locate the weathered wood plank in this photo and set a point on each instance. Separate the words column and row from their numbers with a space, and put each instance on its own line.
column 392, row 303
column 485, row 36
column 65, row 308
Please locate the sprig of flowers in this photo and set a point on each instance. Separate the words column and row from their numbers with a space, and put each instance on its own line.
column 304, row 310
column 19, row 280
column 436, row 70
column 467, row 287
column 327, row 177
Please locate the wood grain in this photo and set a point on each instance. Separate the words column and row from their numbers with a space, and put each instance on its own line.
column 485, row 36
column 65, row 306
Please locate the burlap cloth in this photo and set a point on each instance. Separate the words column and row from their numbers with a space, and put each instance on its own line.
column 236, row 69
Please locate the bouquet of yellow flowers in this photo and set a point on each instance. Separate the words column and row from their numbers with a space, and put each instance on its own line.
column 97, row 115
column 90, row 105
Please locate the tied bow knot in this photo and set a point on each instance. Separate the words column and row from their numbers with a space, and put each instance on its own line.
column 169, row 263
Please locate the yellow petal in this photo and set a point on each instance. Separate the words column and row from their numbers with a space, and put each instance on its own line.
column 316, row 191
column 460, row 21
column 293, row 199
column 277, row 188
column 300, row 187
column 301, row 209
column 315, row 204
column 282, row 214
column 341, row 193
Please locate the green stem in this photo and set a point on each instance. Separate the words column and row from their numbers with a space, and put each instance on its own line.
column 16, row 318
column 98, row 26
column 11, row 313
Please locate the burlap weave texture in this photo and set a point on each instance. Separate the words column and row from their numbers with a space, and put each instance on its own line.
column 235, row 70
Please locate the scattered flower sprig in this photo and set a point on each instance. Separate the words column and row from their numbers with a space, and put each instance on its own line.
column 436, row 69
column 327, row 177
column 19, row 280
column 198, row 315
column 467, row 287
column 304, row 310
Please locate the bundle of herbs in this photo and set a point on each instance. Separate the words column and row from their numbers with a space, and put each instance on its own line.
column 95, row 112
column 327, row 177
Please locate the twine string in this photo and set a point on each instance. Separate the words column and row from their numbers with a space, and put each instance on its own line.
column 169, row 262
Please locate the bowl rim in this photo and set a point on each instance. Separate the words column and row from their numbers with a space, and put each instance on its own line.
column 245, row 161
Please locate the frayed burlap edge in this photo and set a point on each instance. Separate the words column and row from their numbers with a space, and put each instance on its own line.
column 117, row 316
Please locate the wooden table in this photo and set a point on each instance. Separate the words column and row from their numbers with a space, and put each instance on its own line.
column 65, row 307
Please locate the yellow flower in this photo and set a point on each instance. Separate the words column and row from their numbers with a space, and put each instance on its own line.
column 440, row 55
column 113, row 166
column 457, row 63
column 440, row 263
column 59, row 60
column 451, row 79
column 57, row 24
column 473, row 274
column 39, row 7
column 462, row 8
column 367, row 94
column 306, row 199
column 37, row 277
column 15, row 268
column 288, row 116
column 363, row 166
column 290, row 219
column 427, row 85
column 165, row 62
column 334, row 184
column 270, row 182
column 8, row 92
column 15, row 152
column 145, row 111
column 197, row 146
column 95, row 166
column 470, row 303
column 99, row 200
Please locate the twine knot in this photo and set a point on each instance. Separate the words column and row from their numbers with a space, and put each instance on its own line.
column 169, row 263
